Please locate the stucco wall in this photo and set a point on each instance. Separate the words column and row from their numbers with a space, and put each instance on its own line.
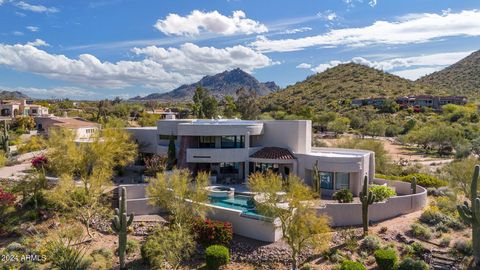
column 294, row 135
column 146, row 137
column 137, row 201
column 350, row 214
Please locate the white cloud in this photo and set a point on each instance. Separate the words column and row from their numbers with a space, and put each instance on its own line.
column 372, row 3
column 160, row 67
column 297, row 30
column 2, row 2
column 416, row 66
column 38, row 43
column 17, row 33
column 304, row 66
column 328, row 15
column 415, row 28
column 32, row 28
column 198, row 21
column 36, row 8
column 415, row 73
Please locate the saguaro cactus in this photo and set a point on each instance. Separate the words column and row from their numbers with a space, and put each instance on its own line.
column 316, row 181
column 120, row 224
column 413, row 185
column 367, row 198
column 5, row 139
column 471, row 214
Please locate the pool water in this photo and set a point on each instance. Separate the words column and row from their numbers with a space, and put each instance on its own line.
column 238, row 202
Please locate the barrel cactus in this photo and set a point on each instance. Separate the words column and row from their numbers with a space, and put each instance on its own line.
column 316, row 180
column 367, row 198
column 120, row 224
column 413, row 185
column 471, row 215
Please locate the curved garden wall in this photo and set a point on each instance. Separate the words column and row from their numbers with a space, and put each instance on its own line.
column 350, row 214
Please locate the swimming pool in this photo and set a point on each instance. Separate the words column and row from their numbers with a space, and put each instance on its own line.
column 243, row 203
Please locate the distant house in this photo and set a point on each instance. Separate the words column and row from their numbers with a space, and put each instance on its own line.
column 13, row 108
column 419, row 101
column 164, row 114
column 83, row 129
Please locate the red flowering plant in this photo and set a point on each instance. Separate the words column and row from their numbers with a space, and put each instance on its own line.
column 6, row 199
column 210, row 232
column 39, row 162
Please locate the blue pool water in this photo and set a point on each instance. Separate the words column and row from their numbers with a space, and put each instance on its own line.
column 238, row 202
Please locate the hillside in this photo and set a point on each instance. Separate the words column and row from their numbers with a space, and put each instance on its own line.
column 461, row 78
column 343, row 82
column 12, row 95
column 225, row 83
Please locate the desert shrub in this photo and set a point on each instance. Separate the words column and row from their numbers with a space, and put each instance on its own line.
column 411, row 264
column 102, row 259
column 446, row 205
column 445, row 242
column 343, row 196
column 155, row 164
column 385, row 258
column 64, row 256
column 132, row 246
column 382, row 192
column 463, row 247
column 349, row 238
column 351, row 265
column 425, row 180
column 306, row 266
column 35, row 143
column 432, row 216
column 420, row 231
column 370, row 243
column 167, row 246
column 383, row 229
column 333, row 255
column 14, row 246
column 216, row 256
column 209, row 232
column 441, row 227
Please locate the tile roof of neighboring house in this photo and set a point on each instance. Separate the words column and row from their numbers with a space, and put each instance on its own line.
column 273, row 153
column 72, row 122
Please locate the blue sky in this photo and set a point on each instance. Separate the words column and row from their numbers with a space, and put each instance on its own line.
column 107, row 48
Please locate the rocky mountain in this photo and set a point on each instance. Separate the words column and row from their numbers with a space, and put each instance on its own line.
column 4, row 94
column 220, row 85
column 341, row 83
column 461, row 78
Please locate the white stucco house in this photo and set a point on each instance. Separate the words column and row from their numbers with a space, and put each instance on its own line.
column 83, row 129
column 232, row 149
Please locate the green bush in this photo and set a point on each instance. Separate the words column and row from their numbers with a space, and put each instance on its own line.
column 464, row 247
column 132, row 246
column 411, row 264
column 420, row 231
column 386, row 259
column 432, row 216
column 425, row 180
column 351, row 265
column 382, row 192
column 343, row 196
column 216, row 256
column 370, row 243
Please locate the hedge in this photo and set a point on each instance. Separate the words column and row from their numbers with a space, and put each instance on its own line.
column 424, row 180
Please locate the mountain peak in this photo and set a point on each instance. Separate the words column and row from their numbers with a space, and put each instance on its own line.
column 221, row 84
column 461, row 78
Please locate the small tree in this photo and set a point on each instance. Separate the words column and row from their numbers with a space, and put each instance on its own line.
column 247, row 104
column 301, row 227
column 172, row 155
column 229, row 106
column 179, row 195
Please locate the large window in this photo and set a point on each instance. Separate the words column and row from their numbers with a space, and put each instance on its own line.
column 206, row 142
column 229, row 167
column 342, row 180
column 326, row 180
column 233, row 142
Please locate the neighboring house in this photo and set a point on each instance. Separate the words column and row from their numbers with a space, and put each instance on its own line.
column 434, row 102
column 12, row 108
column 232, row 149
column 164, row 114
column 83, row 129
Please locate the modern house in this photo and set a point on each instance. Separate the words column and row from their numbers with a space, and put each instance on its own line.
column 83, row 129
column 13, row 108
column 232, row 149
column 419, row 101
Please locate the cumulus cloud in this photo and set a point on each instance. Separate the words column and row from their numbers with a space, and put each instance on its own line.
column 214, row 22
column 415, row 28
column 32, row 28
column 413, row 67
column 38, row 43
column 304, row 66
column 160, row 67
column 36, row 8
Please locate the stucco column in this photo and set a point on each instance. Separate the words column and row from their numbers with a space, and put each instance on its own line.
column 246, row 166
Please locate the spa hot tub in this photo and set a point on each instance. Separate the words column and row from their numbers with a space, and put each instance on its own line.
column 221, row 192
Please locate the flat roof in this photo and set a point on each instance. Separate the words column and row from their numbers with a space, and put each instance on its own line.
column 225, row 122
column 144, row 128
column 338, row 152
